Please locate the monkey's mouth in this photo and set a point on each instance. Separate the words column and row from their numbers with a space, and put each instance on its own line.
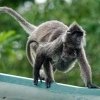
column 77, row 43
column 74, row 45
column 67, row 57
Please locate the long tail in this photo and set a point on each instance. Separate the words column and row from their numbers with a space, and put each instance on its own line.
column 31, row 47
column 29, row 28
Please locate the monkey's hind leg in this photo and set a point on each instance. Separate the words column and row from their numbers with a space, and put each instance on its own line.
column 49, row 78
column 40, row 58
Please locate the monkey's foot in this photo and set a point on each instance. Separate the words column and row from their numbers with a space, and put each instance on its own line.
column 48, row 82
column 35, row 82
column 92, row 86
column 36, row 77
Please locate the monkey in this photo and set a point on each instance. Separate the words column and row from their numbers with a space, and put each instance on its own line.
column 54, row 46
column 60, row 50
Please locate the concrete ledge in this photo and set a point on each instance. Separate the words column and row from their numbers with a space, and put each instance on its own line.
column 21, row 88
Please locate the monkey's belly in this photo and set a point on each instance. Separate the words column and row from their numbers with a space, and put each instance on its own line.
column 64, row 66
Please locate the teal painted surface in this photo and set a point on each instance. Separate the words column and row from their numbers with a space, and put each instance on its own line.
column 21, row 88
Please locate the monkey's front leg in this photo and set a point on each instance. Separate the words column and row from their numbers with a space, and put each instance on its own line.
column 40, row 58
column 85, row 69
column 49, row 78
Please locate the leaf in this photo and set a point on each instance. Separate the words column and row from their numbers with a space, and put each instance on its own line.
column 4, row 36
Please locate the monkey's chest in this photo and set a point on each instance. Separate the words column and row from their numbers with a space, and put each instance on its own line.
column 62, row 65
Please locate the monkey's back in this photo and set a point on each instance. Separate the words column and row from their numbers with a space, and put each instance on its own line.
column 48, row 31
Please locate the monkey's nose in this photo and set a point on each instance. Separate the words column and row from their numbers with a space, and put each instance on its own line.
column 64, row 56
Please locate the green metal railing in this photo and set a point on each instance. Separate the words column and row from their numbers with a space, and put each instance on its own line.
column 21, row 88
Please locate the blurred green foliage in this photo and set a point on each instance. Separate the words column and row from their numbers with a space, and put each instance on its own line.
column 13, row 59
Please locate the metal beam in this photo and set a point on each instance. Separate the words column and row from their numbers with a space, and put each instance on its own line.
column 21, row 88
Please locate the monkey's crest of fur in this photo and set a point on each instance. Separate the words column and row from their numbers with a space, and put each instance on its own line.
column 75, row 27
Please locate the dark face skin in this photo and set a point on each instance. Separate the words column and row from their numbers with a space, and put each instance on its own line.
column 74, row 39
column 71, row 45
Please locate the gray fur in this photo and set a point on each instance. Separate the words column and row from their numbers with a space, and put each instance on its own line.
column 53, row 45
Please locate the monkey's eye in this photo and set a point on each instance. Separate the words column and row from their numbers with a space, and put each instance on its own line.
column 78, row 33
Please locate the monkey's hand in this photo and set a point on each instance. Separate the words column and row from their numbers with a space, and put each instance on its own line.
column 90, row 85
column 48, row 82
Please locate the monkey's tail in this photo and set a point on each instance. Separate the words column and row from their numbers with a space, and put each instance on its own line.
column 29, row 28
column 31, row 47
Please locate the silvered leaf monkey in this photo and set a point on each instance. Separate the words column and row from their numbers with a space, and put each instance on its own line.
column 53, row 45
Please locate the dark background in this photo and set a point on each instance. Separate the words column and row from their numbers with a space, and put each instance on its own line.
column 13, row 38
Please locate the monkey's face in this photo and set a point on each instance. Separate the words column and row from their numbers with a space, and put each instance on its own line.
column 74, row 39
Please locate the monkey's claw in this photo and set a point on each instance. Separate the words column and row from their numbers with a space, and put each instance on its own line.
column 48, row 83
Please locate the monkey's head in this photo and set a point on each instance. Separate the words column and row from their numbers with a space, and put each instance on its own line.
column 73, row 39
column 74, row 36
